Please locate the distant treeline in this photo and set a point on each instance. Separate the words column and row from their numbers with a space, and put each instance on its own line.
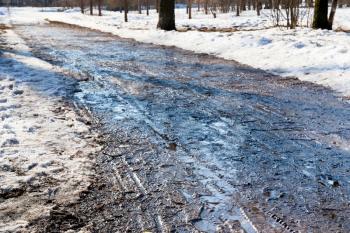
column 218, row 5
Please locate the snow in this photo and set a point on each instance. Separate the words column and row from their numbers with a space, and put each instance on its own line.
column 44, row 146
column 319, row 56
column 310, row 55
column 342, row 19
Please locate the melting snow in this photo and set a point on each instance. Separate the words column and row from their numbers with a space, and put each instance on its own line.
column 45, row 156
column 319, row 56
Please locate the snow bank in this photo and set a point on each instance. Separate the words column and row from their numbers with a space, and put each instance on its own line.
column 44, row 145
column 319, row 56
column 342, row 19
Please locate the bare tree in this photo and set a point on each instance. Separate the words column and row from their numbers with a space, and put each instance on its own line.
column 99, row 5
column 91, row 7
column 82, row 6
column 139, row 6
column 206, row 3
column 167, row 15
column 126, row 10
column 258, row 7
column 147, row 7
column 321, row 15
column 157, row 5
column 332, row 14
column 291, row 8
column 189, row 5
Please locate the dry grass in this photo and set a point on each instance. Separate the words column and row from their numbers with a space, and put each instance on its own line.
column 340, row 29
column 4, row 27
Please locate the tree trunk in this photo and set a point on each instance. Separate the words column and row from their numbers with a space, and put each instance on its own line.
column 139, row 6
column 320, row 15
column 293, row 21
column 91, row 7
column 100, row 7
column 82, row 6
column 157, row 5
column 310, row 3
column 167, row 15
column 243, row 5
column 206, row 7
column 189, row 9
column 258, row 7
column 332, row 14
column 270, row 5
column 147, row 7
column 126, row 10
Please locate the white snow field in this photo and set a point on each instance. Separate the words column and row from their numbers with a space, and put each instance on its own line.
column 319, row 56
column 46, row 151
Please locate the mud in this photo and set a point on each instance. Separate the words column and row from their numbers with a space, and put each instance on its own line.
column 196, row 143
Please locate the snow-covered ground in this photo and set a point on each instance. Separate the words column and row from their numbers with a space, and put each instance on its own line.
column 46, row 150
column 319, row 56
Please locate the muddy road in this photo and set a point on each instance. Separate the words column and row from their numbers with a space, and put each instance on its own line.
column 196, row 143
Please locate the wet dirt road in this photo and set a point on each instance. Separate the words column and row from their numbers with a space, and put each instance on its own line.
column 197, row 143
